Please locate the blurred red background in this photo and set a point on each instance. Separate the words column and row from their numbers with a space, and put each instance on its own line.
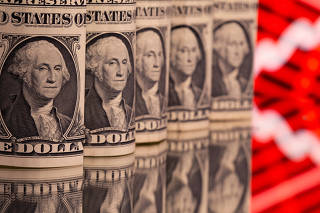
column 286, row 139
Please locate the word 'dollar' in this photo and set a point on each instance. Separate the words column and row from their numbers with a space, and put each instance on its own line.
column 41, row 188
column 40, row 148
column 112, row 138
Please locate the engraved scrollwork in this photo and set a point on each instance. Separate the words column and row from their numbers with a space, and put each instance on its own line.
column 91, row 35
column 164, row 30
column 72, row 42
column 77, row 128
column 200, row 27
column 4, row 133
column 130, row 35
column 13, row 39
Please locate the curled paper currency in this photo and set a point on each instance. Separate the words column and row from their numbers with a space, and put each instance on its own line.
column 41, row 83
column 190, row 65
column 110, row 78
column 234, row 33
column 152, row 69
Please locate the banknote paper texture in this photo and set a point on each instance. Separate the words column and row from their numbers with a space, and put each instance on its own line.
column 149, row 186
column 190, row 65
column 41, row 190
column 110, row 79
column 187, row 173
column 234, row 34
column 108, row 184
column 230, row 167
column 42, row 45
column 152, row 69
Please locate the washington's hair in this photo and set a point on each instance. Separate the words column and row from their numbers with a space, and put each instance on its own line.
column 24, row 58
column 222, row 36
column 96, row 53
column 177, row 37
column 141, row 44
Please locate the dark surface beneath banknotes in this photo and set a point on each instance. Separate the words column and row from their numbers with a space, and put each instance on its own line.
column 36, row 191
column 108, row 188
column 149, row 184
column 195, row 175
column 229, row 172
column 187, row 175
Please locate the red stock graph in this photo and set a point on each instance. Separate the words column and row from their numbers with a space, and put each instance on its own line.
column 286, row 121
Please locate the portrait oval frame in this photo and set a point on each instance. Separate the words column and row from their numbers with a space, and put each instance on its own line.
column 199, row 75
column 164, row 71
column 69, row 105
column 247, row 63
column 129, row 89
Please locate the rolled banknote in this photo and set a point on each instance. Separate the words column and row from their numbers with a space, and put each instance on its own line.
column 152, row 69
column 47, row 190
column 229, row 167
column 108, row 184
column 149, row 186
column 234, row 35
column 110, row 79
column 187, row 172
column 41, row 83
column 190, row 65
